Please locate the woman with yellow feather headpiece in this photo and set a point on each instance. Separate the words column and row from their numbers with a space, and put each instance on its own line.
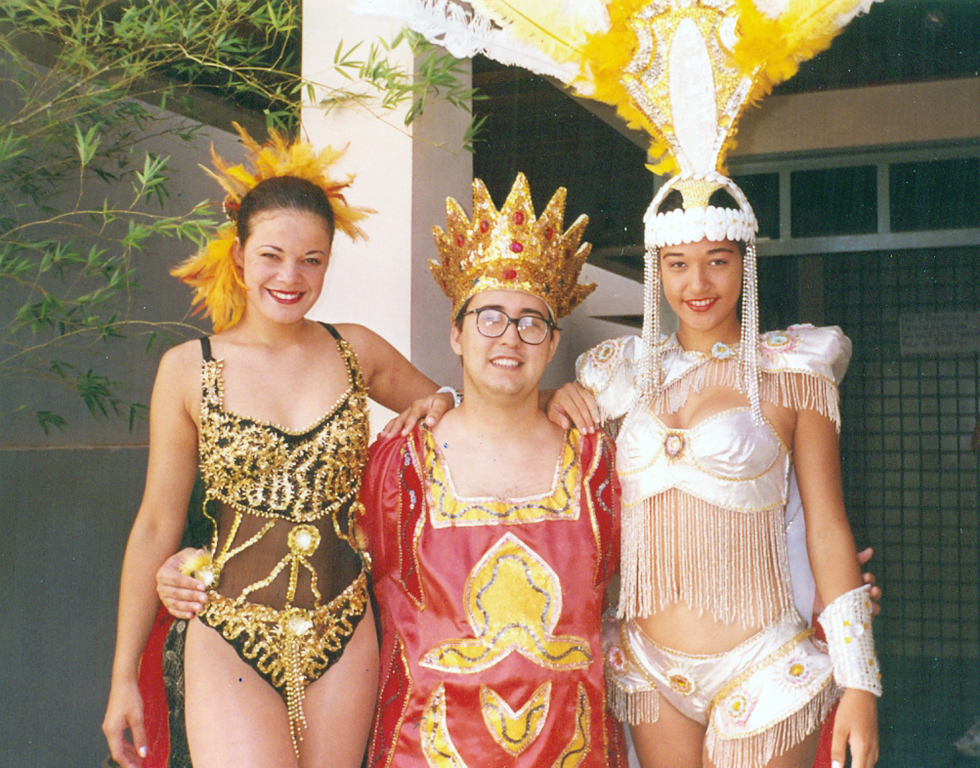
column 711, row 663
column 271, row 412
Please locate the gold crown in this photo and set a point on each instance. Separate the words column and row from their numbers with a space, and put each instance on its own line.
column 511, row 250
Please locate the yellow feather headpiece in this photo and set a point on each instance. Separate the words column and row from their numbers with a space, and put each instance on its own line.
column 219, row 292
column 512, row 250
column 686, row 70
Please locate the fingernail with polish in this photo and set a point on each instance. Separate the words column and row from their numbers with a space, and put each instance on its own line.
column 142, row 751
column 835, row 764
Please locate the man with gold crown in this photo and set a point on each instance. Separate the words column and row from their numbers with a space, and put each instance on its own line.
column 493, row 536
column 712, row 663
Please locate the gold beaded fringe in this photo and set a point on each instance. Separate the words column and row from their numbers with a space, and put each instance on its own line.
column 293, row 647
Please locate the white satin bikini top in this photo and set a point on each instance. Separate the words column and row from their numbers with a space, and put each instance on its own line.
column 726, row 460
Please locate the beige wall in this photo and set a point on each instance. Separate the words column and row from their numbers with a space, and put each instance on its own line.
column 405, row 174
column 850, row 118
column 947, row 110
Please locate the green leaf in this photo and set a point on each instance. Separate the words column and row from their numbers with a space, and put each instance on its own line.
column 86, row 143
column 47, row 419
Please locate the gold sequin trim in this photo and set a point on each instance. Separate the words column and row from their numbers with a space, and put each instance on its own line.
column 515, row 730
column 577, row 749
column 290, row 648
column 449, row 510
column 437, row 744
column 269, row 471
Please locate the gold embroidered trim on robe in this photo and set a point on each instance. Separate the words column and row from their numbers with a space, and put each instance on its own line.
column 411, row 523
column 515, row 730
column 600, row 501
column 679, row 549
column 437, row 745
column 449, row 510
column 513, row 600
column 399, row 672
column 578, row 746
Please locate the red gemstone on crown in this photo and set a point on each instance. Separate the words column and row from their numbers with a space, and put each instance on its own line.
column 460, row 240
column 519, row 218
column 510, row 274
column 484, row 226
column 549, row 233
column 516, row 247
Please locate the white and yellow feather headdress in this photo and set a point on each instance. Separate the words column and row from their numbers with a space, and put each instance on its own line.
column 682, row 70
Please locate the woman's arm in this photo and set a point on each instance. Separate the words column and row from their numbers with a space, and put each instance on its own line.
column 835, row 567
column 830, row 544
column 393, row 381
column 155, row 535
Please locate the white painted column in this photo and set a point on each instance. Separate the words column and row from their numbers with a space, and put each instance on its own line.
column 405, row 174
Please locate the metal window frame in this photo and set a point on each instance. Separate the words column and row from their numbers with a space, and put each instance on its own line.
column 882, row 159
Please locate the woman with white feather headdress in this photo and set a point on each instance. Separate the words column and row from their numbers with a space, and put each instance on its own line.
column 711, row 663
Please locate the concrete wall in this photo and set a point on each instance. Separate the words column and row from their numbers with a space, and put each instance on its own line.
column 67, row 501
column 855, row 118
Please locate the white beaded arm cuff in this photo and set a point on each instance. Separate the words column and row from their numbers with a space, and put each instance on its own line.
column 457, row 396
column 847, row 624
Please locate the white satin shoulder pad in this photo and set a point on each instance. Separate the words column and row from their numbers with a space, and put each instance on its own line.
column 610, row 372
column 823, row 352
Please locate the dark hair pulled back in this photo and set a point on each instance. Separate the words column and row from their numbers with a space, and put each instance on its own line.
column 720, row 198
column 283, row 193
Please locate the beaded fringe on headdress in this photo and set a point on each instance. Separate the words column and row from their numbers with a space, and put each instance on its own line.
column 651, row 370
column 679, row 549
column 651, row 361
column 749, row 360
column 760, row 748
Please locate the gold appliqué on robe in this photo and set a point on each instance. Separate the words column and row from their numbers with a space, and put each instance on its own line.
column 514, row 730
column 437, row 744
column 578, row 746
column 448, row 510
column 513, row 601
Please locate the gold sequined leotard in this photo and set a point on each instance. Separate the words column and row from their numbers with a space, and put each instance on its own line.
column 289, row 586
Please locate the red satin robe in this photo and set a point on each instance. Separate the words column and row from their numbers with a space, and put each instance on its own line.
column 490, row 612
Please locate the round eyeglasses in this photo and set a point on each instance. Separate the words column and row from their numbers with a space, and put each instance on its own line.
column 492, row 323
